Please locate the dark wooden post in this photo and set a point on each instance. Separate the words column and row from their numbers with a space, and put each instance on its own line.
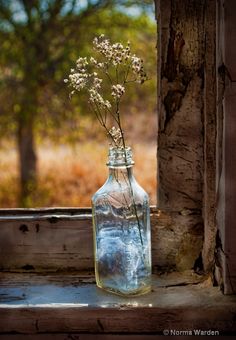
column 226, row 141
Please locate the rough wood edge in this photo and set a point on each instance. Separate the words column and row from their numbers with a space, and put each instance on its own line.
column 176, row 307
column 35, row 211
column 169, row 306
column 60, row 211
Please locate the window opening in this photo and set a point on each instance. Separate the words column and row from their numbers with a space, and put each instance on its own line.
column 44, row 135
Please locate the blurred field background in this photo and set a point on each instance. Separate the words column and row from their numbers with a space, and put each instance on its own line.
column 52, row 150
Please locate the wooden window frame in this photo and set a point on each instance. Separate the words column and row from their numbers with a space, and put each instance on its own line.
column 218, row 198
column 28, row 234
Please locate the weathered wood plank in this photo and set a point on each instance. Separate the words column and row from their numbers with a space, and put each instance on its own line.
column 46, row 241
column 62, row 239
column 180, row 138
column 181, row 66
column 209, row 187
column 4, row 212
column 229, row 237
column 226, row 175
column 176, row 239
column 230, row 38
column 220, row 175
column 54, row 304
column 13, row 280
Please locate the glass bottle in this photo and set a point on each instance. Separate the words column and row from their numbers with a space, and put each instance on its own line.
column 121, row 223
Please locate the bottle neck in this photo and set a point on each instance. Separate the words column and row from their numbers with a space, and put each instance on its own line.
column 121, row 174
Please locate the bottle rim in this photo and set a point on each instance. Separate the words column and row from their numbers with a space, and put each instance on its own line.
column 120, row 157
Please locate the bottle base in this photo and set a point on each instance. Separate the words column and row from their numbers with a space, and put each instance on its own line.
column 138, row 292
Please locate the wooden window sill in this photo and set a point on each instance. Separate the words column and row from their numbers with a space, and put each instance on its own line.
column 47, row 303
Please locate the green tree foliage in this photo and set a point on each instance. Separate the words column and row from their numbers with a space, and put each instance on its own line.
column 40, row 41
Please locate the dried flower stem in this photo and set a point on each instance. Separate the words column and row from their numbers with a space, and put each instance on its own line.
column 123, row 62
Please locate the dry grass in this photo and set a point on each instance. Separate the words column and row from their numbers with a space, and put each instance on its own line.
column 69, row 176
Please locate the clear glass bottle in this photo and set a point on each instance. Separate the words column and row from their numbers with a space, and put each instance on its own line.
column 121, row 222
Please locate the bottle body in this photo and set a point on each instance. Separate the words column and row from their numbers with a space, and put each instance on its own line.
column 122, row 239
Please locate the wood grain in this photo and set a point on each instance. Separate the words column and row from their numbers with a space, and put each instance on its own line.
column 62, row 239
column 181, row 92
column 44, row 239
column 210, row 130
column 226, row 138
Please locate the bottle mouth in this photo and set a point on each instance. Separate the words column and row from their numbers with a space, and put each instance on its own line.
column 120, row 157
